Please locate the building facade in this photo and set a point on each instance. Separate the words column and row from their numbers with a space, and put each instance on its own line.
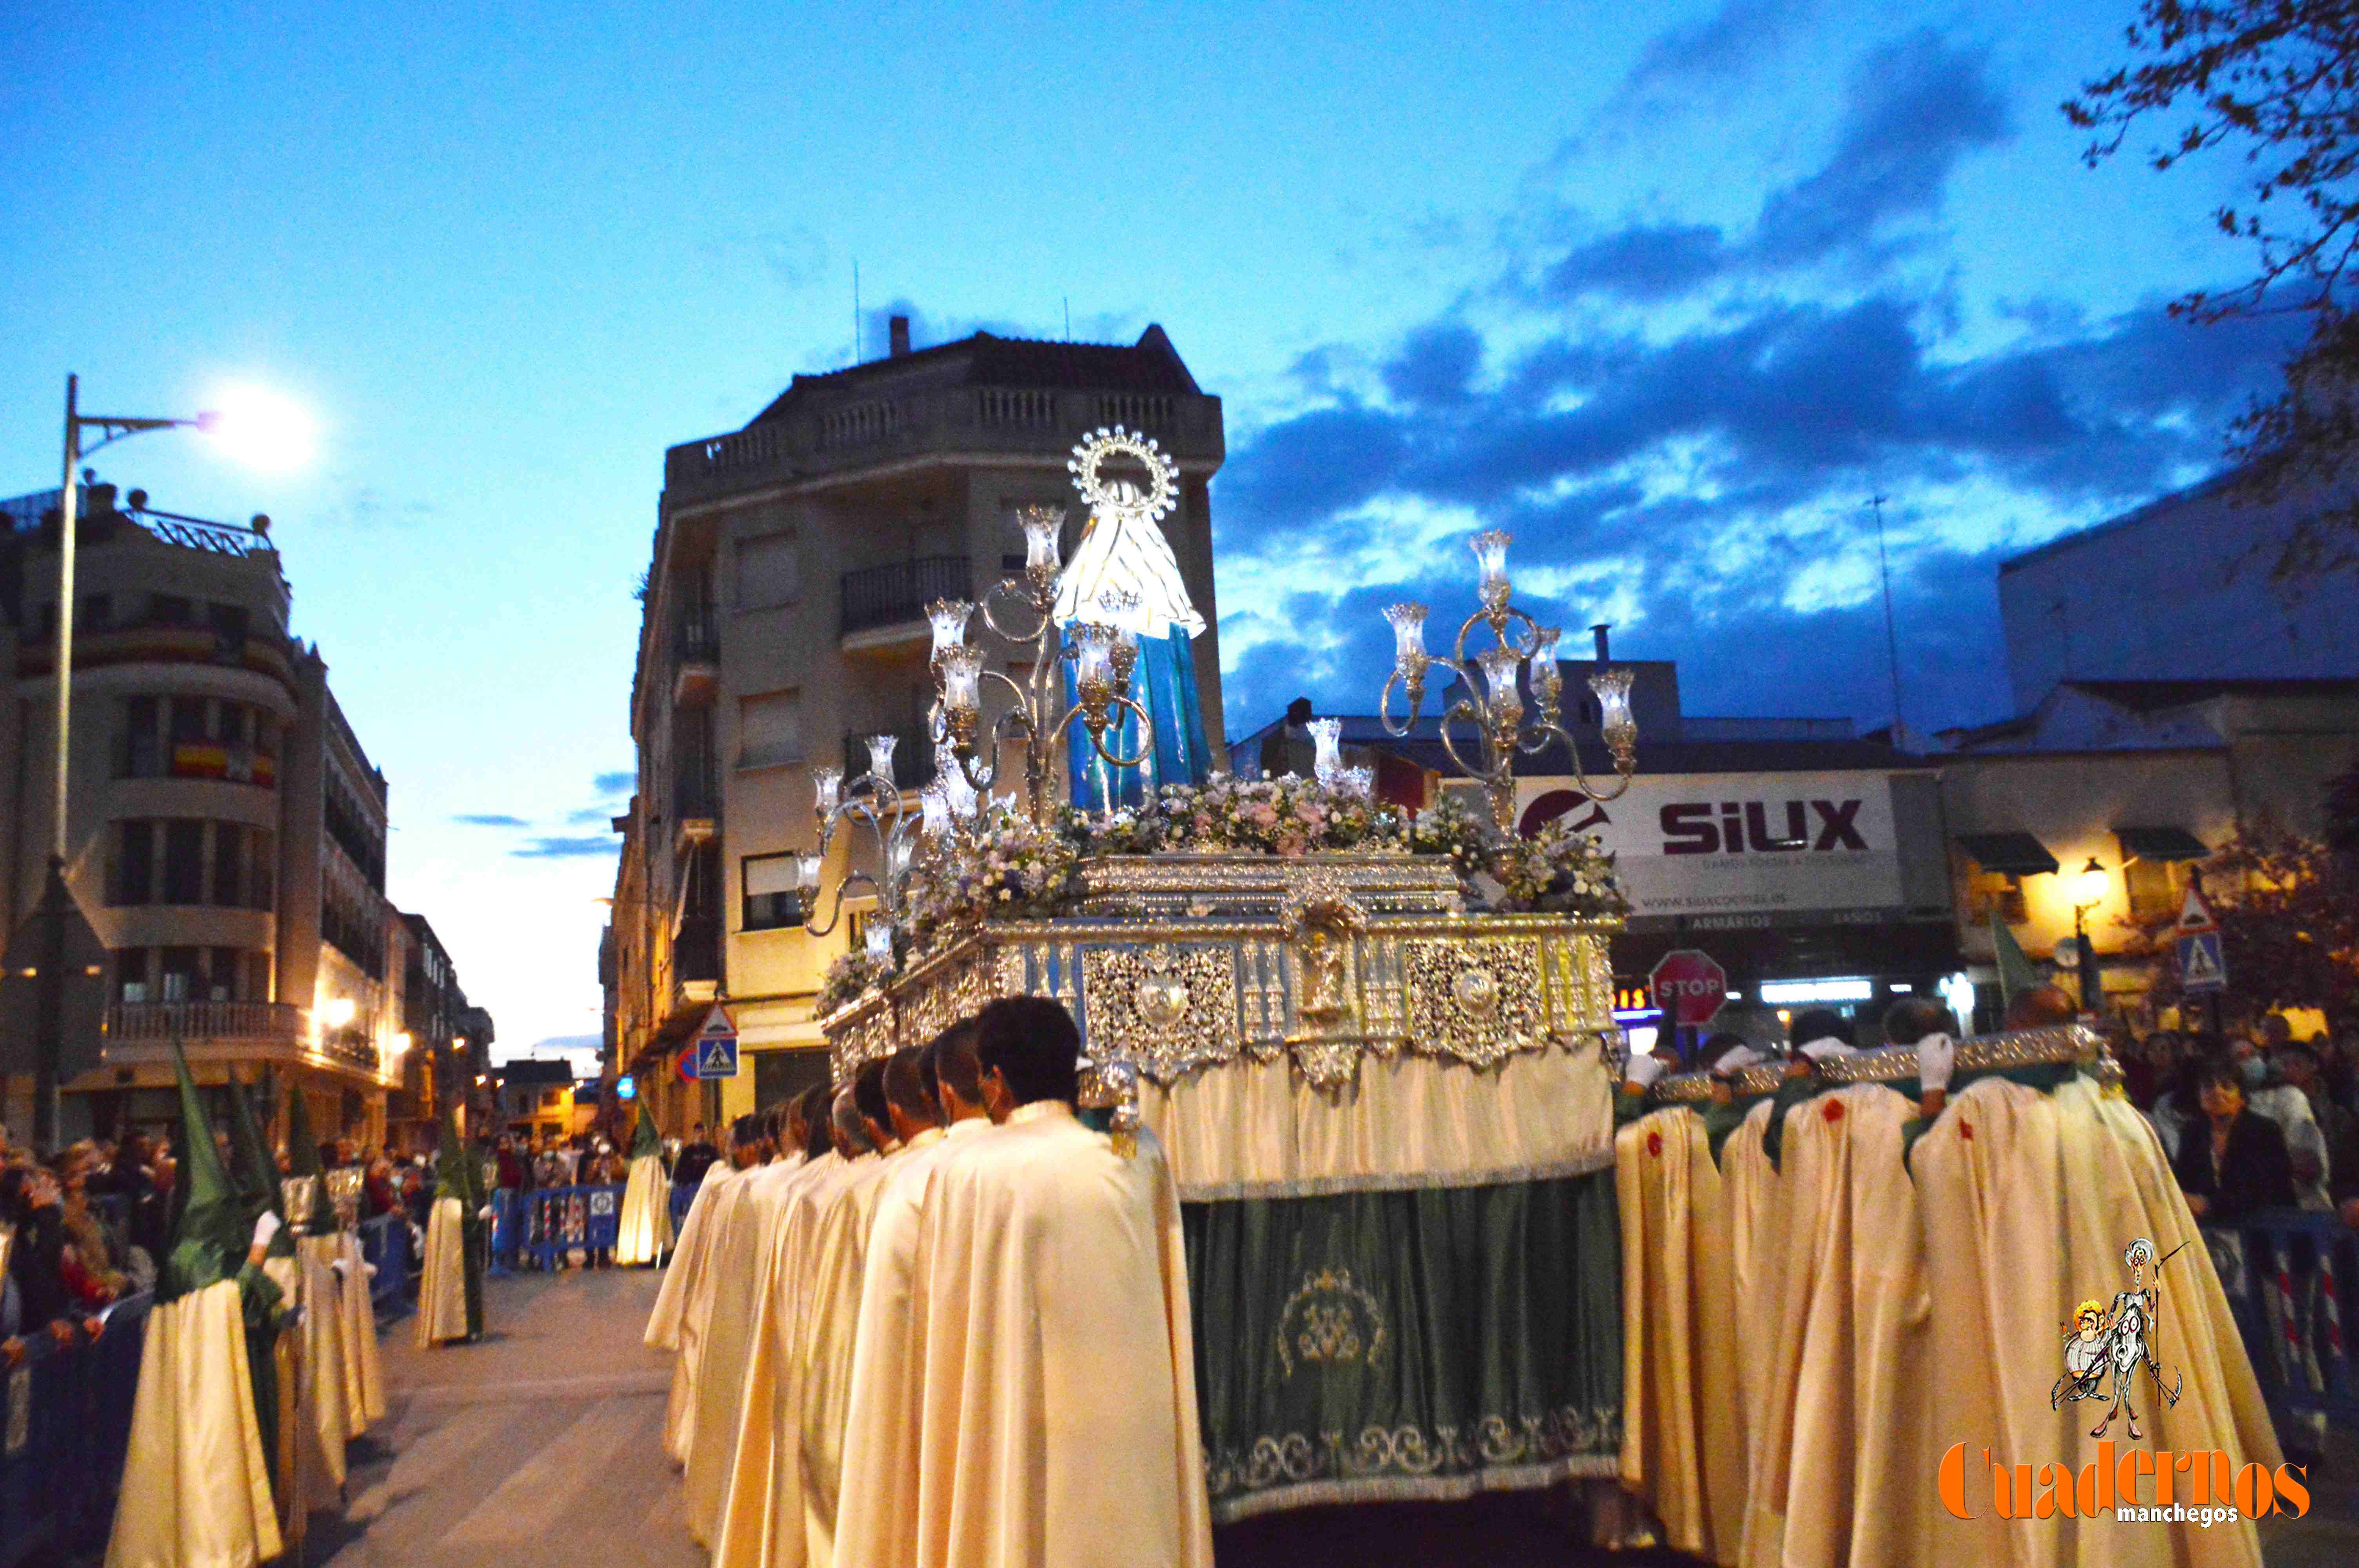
column 785, row 620
column 226, row 829
column 2207, row 584
column 2090, row 812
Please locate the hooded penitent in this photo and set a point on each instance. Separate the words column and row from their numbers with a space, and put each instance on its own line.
column 458, row 1178
column 644, row 1234
column 196, row 1486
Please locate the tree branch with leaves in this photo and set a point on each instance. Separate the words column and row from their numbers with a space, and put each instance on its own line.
column 2279, row 78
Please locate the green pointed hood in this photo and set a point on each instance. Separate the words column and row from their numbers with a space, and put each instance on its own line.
column 211, row 1236
column 259, row 1191
column 303, row 1159
column 454, row 1176
column 2015, row 975
column 647, row 1141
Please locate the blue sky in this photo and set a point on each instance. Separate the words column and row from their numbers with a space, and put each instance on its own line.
column 1669, row 298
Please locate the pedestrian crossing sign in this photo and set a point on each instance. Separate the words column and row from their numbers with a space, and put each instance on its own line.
column 716, row 1045
column 2201, row 967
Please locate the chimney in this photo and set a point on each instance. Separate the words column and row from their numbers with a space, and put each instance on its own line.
column 899, row 328
column 1604, row 649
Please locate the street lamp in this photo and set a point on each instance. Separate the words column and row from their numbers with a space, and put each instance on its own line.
column 256, row 427
column 2089, row 888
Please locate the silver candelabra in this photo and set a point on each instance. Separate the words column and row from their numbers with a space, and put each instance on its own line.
column 1494, row 706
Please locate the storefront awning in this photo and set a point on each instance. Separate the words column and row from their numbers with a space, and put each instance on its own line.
column 2015, row 854
column 2160, row 844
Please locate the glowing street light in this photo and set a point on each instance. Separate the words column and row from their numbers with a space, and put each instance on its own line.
column 266, row 431
column 339, row 1012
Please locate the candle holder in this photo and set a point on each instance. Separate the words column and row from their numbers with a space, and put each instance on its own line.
column 867, row 805
column 1494, row 706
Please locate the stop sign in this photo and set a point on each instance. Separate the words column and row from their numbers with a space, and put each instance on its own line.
column 1690, row 986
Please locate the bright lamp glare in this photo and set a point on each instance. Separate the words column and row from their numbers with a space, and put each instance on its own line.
column 340, row 1011
column 259, row 429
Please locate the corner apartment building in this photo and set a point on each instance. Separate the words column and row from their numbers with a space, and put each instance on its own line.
column 226, row 831
column 785, row 619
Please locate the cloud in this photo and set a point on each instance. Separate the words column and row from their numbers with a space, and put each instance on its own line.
column 1436, row 365
column 587, row 814
column 489, row 819
column 1913, row 108
column 1704, row 490
column 561, row 849
column 618, row 782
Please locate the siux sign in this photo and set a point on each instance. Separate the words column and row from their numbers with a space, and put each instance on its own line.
column 1706, row 844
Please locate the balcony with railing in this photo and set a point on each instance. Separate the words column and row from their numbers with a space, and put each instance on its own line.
column 142, row 1034
column 886, row 606
column 696, row 658
column 696, row 956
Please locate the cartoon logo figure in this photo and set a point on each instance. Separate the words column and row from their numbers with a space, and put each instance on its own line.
column 2120, row 1338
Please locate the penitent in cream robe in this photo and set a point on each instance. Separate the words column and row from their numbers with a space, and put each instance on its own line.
column 1858, row 1471
column 876, row 1515
column 442, row 1287
column 755, row 1506
column 830, row 1328
column 196, row 1492
column 1059, row 1425
column 1680, row 1446
column 643, row 1232
column 671, row 1296
column 698, row 1272
column 727, row 1353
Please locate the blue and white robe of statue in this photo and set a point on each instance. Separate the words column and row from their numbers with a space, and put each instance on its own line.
column 1125, row 575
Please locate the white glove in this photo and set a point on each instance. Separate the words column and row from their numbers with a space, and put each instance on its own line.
column 1829, row 1047
column 1643, row 1071
column 265, row 1228
column 1734, row 1060
column 1937, row 1055
column 484, row 1212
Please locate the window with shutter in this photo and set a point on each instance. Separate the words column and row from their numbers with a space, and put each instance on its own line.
column 769, row 729
column 769, row 571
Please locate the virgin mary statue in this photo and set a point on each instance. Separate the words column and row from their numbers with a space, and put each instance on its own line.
column 1123, row 574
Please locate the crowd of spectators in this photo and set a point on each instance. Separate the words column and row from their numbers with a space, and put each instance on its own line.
column 2258, row 1120
column 79, row 1231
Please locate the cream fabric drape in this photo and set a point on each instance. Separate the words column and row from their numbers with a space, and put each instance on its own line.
column 1856, row 1304
column 1059, row 1423
column 1754, row 1212
column 876, row 1517
column 703, row 1279
column 442, row 1287
column 195, row 1491
column 644, row 1231
column 760, row 1520
column 686, row 1258
column 1261, row 1129
column 1680, row 1447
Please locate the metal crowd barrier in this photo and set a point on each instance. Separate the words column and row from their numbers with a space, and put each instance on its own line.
column 386, row 1244
column 557, row 1218
column 507, row 1229
column 2286, row 1273
column 67, row 1426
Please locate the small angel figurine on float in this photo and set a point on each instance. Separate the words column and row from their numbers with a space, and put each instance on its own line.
column 1124, row 576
